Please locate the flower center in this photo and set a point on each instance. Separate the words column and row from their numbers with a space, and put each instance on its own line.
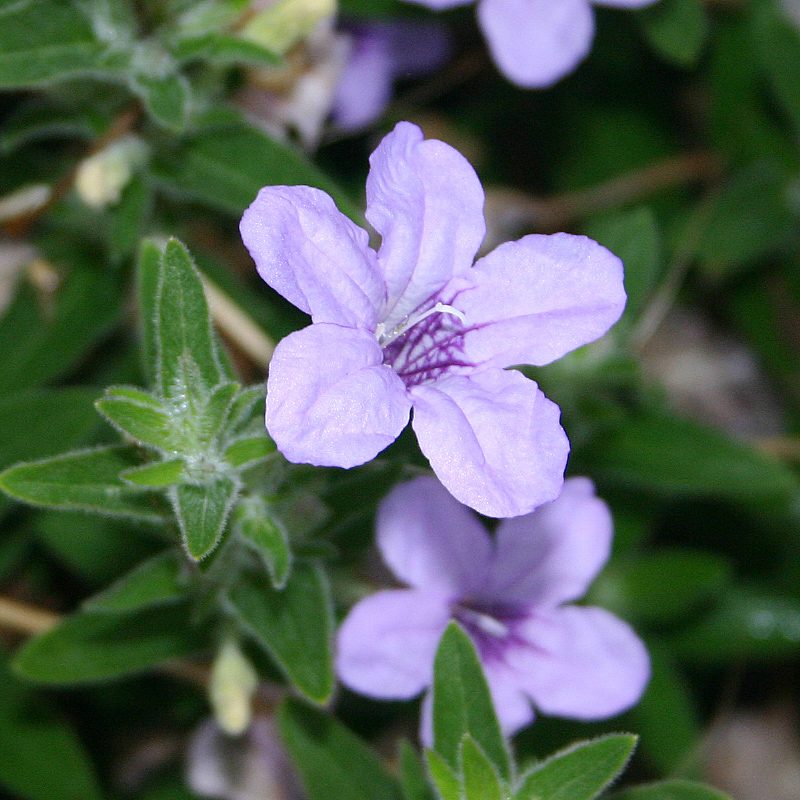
column 492, row 629
column 426, row 344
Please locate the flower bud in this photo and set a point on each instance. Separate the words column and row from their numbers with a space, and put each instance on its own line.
column 101, row 177
column 233, row 683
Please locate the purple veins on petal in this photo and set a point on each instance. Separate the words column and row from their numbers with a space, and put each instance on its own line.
column 416, row 325
column 510, row 593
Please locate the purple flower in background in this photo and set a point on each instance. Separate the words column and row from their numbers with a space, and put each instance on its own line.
column 380, row 54
column 537, row 42
column 415, row 324
column 509, row 594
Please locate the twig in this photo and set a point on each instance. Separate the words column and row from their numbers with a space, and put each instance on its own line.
column 25, row 619
column 238, row 326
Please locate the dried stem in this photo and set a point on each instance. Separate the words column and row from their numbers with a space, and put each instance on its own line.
column 25, row 619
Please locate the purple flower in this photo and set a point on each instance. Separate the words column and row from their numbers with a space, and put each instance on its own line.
column 536, row 42
column 508, row 593
column 415, row 324
column 380, row 54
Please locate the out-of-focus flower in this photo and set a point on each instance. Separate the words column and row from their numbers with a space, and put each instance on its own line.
column 415, row 324
column 25, row 200
column 509, row 593
column 101, row 178
column 253, row 766
column 14, row 257
column 345, row 74
column 536, row 42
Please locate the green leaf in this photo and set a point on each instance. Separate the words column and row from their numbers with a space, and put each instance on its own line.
column 139, row 415
column 243, row 453
column 662, row 587
column 224, row 49
column 745, row 624
column 672, row 790
column 579, row 772
column 184, row 328
column 166, row 97
column 480, row 778
column 634, row 236
column 294, row 626
column 32, row 735
column 332, row 762
column 413, row 782
column 202, row 511
column 83, row 480
column 89, row 647
column 216, row 412
column 154, row 582
column 258, row 527
column 677, row 30
column 40, row 120
column 44, row 337
column 157, row 475
column 45, row 40
column 462, row 703
column 444, row 777
column 225, row 166
column 127, row 219
column 670, row 456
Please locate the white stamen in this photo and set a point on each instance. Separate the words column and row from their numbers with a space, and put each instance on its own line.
column 385, row 339
column 486, row 623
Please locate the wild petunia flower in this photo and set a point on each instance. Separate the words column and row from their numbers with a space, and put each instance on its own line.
column 536, row 42
column 415, row 324
column 509, row 593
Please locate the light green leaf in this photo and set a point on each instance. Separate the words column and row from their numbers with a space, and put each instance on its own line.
column 148, row 275
column 448, row 786
column 32, row 735
column 634, row 237
column 579, row 772
column 462, row 703
column 202, row 511
column 224, row 49
column 294, row 626
column 413, row 781
column 256, row 524
column 167, row 98
column 216, row 412
column 139, row 415
column 480, row 778
column 225, row 165
column 89, row 647
column 83, row 480
column 245, row 452
column 154, row 582
column 677, row 30
column 332, row 762
column 157, row 475
column 672, row 790
column 184, row 328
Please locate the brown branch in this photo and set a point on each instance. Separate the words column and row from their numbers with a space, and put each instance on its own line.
column 25, row 619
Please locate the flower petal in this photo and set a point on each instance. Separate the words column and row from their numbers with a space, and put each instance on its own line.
column 552, row 555
column 536, row 299
column 430, row 541
column 537, row 42
column 579, row 662
column 387, row 643
column 493, row 439
column 313, row 255
column 426, row 201
column 330, row 400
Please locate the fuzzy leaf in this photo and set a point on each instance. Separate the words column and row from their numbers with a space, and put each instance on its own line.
column 295, row 626
column 579, row 772
column 413, row 782
column 83, row 480
column 462, row 703
column 672, row 790
column 154, row 582
column 139, row 415
column 480, row 778
column 243, row 453
column 259, row 528
column 202, row 511
column 332, row 762
column 157, row 475
column 444, row 777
